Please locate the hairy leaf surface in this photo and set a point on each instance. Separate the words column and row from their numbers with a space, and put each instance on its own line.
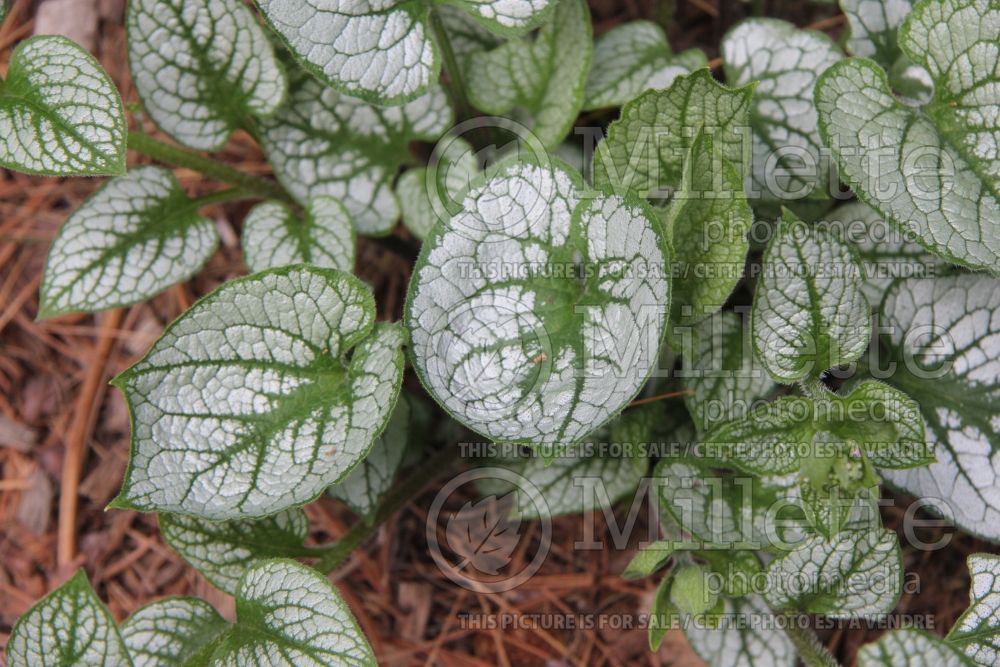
column 322, row 142
column 202, row 67
column 60, row 113
column 535, row 315
column 69, row 626
column 136, row 236
column 260, row 396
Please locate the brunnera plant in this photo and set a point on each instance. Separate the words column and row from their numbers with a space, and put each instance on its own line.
column 553, row 300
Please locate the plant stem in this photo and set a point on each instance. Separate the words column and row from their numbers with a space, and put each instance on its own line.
column 334, row 555
column 456, row 85
column 262, row 188
column 808, row 646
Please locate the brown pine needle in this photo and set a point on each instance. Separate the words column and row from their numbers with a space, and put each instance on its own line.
column 660, row 397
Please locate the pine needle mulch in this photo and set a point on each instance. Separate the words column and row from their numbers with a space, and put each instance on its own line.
column 64, row 446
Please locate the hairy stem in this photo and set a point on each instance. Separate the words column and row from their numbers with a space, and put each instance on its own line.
column 334, row 555
column 807, row 645
column 261, row 188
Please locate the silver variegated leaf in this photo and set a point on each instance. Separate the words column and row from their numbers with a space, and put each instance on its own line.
column 136, row 236
column 273, row 236
column 60, row 113
column 249, row 404
column 69, row 626
column 809, row 313
column 544, row 76
column 224, row 550
column 746, row 637
column 910, row 647
column 632, row 58
column 535, row 315
column 874, row 24
column 945, row 340
column 977, row 631
column 322, row 142
column 172, row 632
column 202, row 67
column 430, row 194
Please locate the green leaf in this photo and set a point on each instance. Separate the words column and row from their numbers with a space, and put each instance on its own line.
column 708, row 219
column 722, row 374
column 770, row 439
column 932, row 171
column 891, row 431
column 60, row 114
column 648, row 560
column 324, row 143
column 224, row 550
column 69, row 626
column 873, row 26
column 910, row 647
column 632, row 58
column 977, row 630
column 249, row 404
column 944, row 337
column 381, row 52
column 690, row 591
column 545, row 76
column 363, row 489
column 289, row 615
column 3, row 10
column 433, row 193
column 856, row 574
column 788, row 163
column 202, row 67
column 746, row 637
column 536, row 314
column 809, row 313
column 273, row 236
column 645, row 148
column 136, row 236
column 173, row 632
column 466, row 35
column 663, row 614
column 886, row 252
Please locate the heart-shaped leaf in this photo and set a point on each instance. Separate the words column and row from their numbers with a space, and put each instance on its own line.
column 60, row 114
column 646, row 146
column 260, row 396
column 322, row 142
column 931, row 171
column 273, row 236
column 136, row 236
column 224, row 550
column 944, row 336
column 721, row 373
column 544, row 76
column 534, row 315
column 288, row 615
column 785, row 61
column 856, row 574
column 632, row 58
column 362, row 490
column 202, row 67
column 911, row 647
column 809, row 313
column 172, row 632
column 69, row 626
column 383, row 52
column 977, row 631
column 709, row 219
